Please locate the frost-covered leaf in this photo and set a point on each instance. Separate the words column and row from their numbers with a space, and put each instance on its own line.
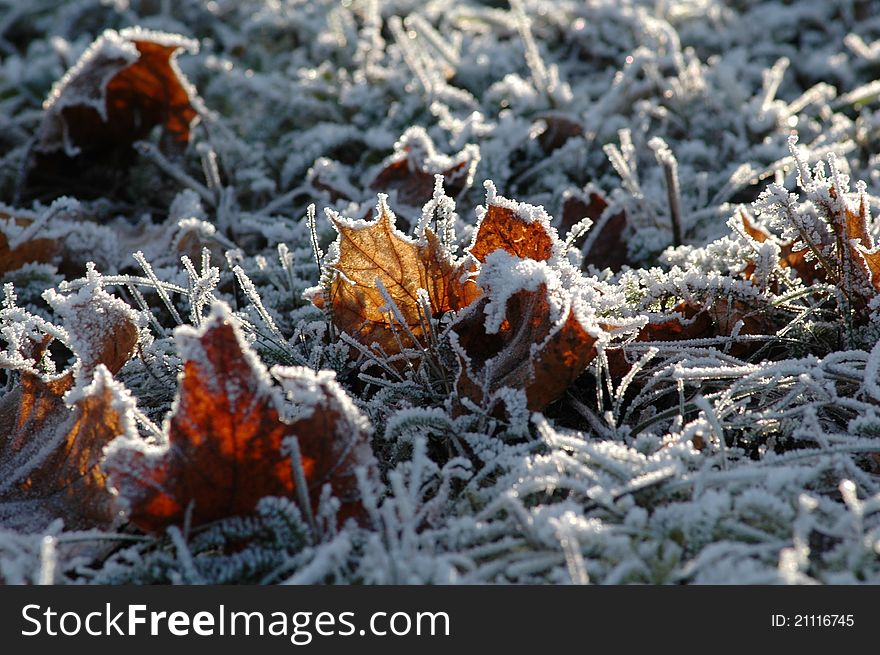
column 373, row 257
column 410, row 171
column 829, row 230
column 738, row 442
column 523, row 333
column 54, row 427
column 55, row 442
column 225, row 443
column 122, row 87
column 789, row 256
column 557, row 129
column 604, row 245
column 520, row 230
column 14, row 255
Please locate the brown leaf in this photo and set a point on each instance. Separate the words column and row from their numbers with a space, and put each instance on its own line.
column 534, row 349
column 558, row 128
column 122, row 87
column 807, row 271
column 38, row 250
column 54, row 448
column 368, row 252
column 853, row 229
column 717, row 319
column 759, row 234
column 55, row 428
column 333, row 435
column 192, row 235
column 854, row 223
column 540, row 345
column 225, row 440
column 505, row 226
column 608, row 249
column 411, row 169
column 685, row 322
column 528, row 358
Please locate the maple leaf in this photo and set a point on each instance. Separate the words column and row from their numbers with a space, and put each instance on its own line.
column 523, row 333
column 722, row 317
column 124, row 85
column 64, row 235
column 370, row 254
column 691, row 320
column 607, row 247
column 410, row 170
column 686, row 321
column 520, row 230
column 55, row 427
column 225, row 444
column 332, row 434
column 190, row 236
column 51, row 458
column 858, row 255
column 534, row 348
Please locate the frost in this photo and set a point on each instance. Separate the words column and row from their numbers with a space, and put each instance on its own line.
column 505, row 275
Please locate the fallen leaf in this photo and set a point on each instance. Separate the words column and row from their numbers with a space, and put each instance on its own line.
column 333, row 434
column 192, row 235
column 520, row 230
column 807, row 271
column 607, row 247
column 688, row 321
column 857, row 253
column 54, row 448
column 56, row 427
column 539, row 346
column 557, row 129
column 225, row 443
column 533, row 348
column 372, row 253
column 38, row 250
column 410, row 170
column 64, row 234
column 123, row 86
column 685, row 321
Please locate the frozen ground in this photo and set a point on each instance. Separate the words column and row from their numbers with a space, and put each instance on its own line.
column 737, row 441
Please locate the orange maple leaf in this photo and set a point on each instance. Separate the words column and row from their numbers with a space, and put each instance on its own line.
column 374, row 254
column 856, row 245
column 505, row 226
column 123, row 86
column 55, row 428
column 796, row 260
column 540, row 345
column 534, row 348
column 225, row 447
column 54, row 448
